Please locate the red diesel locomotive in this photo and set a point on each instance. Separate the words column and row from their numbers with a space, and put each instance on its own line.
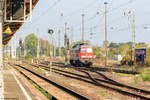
column 81, row 55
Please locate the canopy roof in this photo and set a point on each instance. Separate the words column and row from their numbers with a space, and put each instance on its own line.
column 14, row 26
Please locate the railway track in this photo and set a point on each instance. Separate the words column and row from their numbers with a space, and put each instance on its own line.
column 113, row 82
column 61, row 64
column 65, row 89
column 106, row 82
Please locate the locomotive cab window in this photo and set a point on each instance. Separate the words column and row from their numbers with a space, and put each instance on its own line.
column 83, row 50
column 88, row 50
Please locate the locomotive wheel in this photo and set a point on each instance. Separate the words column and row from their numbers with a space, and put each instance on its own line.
column 89, row 64
column 78, row 63
column 74, row 62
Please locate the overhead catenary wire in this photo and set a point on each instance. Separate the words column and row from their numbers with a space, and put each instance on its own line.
column 55, row 3
column 113, row 9
column 109, row 10
column 48, row 9
column 80, row 10
column 38, row 19
column 95, row 16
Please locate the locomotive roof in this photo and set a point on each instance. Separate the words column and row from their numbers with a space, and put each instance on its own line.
column 79, row 46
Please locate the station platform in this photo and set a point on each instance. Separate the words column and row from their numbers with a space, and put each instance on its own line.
column 13, row 87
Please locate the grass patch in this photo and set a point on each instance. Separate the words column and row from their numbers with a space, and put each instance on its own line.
column 137, row 79
column 145, row 77
column 44, row 92
column 142, row 77
column 103, row 93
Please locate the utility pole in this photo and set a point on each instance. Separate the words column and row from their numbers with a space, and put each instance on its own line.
column 59, row 52
column 24, row 49
column 10, row 51
column 15, row 46
column 12, row 48
column 72, row 35
column 59, row 38
column 83, row 27
column 53, row 46
column 65, row 42
column 65, row 36
column 133, row 29
column 133, row 36
column 91, row 33
column 131, row 18
column 106, row 41
column 38, row 45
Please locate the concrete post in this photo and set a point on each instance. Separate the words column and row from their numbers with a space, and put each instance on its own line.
column 1, row 44
column 1, row 34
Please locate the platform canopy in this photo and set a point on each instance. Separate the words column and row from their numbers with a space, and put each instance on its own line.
column 14, row 11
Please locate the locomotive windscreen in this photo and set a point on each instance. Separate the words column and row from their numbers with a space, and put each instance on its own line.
column 88, row 50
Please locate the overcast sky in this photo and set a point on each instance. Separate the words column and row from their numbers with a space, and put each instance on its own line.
column 52, row 14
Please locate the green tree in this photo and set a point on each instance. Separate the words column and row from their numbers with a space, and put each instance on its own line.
column 44, row 48
column 31, row 45
column 113, row 45
column 98, row 52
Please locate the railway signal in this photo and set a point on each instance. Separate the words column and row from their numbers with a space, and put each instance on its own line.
column 68, row 44
column 51, row 31
column 20, row 43
column 65, row 39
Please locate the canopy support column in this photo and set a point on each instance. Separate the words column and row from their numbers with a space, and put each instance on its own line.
column 1, row 43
